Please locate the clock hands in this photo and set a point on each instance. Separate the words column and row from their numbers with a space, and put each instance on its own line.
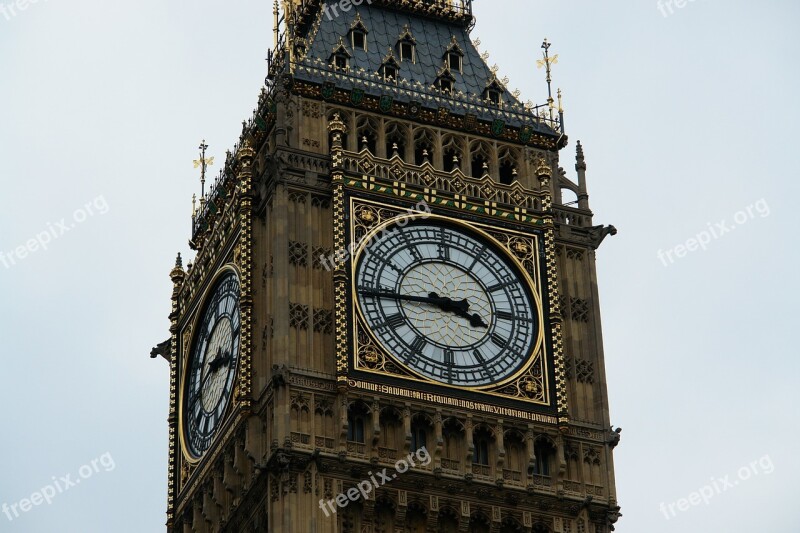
column 448, row 305
column 219, row 361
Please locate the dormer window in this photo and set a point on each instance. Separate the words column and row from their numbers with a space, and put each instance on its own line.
column 390, row 68
column 358, row 34
column 340, row 58
column 359, row 40
column 407, row 51
column 494, row 93
column 445, row 82
column 340, row 62
column 407, row 46
column 454, row 56
column 454, row 61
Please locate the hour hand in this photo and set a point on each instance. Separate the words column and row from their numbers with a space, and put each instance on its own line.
column 219, row 361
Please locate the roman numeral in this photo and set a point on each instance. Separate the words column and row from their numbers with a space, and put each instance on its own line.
column 499, row 341
column 505, row 315
column 449, row 358
column 395, row 321
column 495, row 288
column 418, row 345
column 478, row 256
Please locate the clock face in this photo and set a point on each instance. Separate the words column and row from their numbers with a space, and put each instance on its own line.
column 447, row 303
column 212, row 365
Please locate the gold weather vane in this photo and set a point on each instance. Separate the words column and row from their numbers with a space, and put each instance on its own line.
column 547, row 62
column 204, row 163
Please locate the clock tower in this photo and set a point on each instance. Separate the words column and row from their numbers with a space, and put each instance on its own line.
column 391, row 322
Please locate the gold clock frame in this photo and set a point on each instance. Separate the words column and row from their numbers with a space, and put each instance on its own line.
column 186, row 349
column 530, row 383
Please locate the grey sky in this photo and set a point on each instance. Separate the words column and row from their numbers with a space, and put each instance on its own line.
column 686, row 120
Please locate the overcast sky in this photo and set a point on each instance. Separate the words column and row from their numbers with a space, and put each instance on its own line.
column 687, row 120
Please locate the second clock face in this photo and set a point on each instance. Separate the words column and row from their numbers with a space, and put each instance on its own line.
column 213, row 363
column 447, row 303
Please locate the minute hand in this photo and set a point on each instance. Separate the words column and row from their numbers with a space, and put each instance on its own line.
column 446, row 304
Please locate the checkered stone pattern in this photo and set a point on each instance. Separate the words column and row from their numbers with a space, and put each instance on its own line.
column 323, row 321
column 317, row 255
column 298, row 316
column 580, row 309
column 298, row 253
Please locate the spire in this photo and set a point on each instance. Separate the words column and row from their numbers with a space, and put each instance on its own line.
column 580, row 166
column 580, row 162
column 547, row 61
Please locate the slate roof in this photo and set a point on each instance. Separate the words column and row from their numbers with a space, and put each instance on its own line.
column 385, row 27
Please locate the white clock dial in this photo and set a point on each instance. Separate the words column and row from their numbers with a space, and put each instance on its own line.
column 212, row 365
column 447, row 303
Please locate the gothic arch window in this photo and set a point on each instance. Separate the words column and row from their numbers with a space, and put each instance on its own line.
column 367, row 133
column 516, row 456
column 509, row 164
column 350, row 518
column 323, row 424
column 396, row 139
column 482, row 440
column 421, row 429
column 391, row 422
column 510, row 525
column 448, row 520
column 423, row 146
column 357, row 416
column 416, row 518
column 453, row 445
column 384, row 515
column 302, row 414
column 572, row 458
column 592, row 460
column 453, row 153
column 544, row 453
column 479, row 523
column 481, row 159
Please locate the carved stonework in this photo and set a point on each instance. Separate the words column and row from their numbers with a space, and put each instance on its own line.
column 298, row 253
column 298, row 316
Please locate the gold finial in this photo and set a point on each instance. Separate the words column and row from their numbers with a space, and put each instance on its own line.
column 560, row 102
column 546, row 62
column 204, row 163
column 194, row 205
